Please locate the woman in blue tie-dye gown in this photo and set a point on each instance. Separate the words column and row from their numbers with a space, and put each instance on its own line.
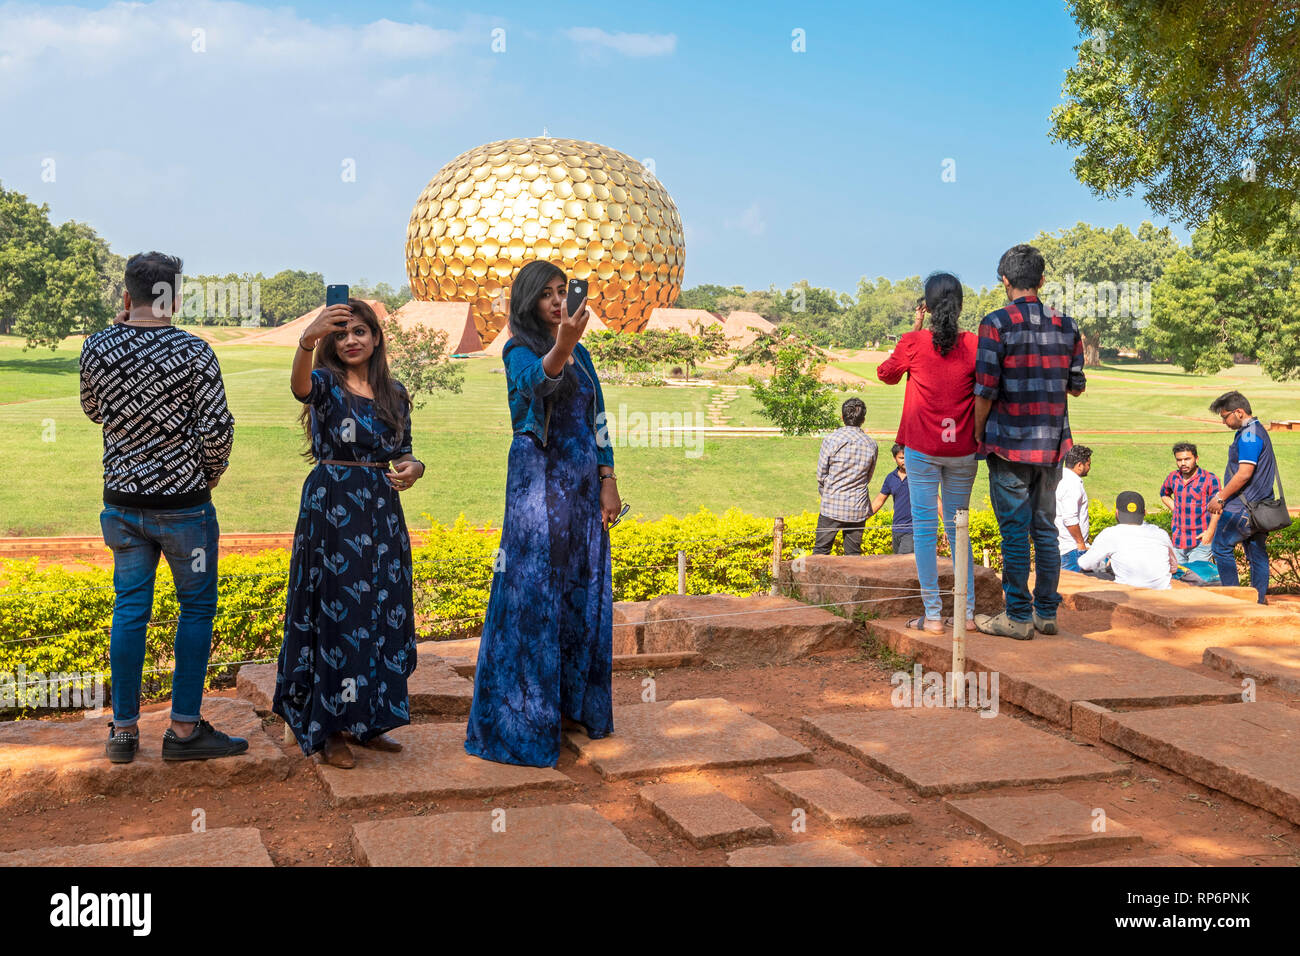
column 349, row 629
column 546, row 651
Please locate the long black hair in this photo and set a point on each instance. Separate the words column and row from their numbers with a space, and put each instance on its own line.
column 943, row 299
column 526, row 325
column 391, row 402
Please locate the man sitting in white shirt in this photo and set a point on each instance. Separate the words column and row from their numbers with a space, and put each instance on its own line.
column 1140, row 554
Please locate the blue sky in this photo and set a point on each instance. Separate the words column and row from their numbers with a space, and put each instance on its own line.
column 823, row 165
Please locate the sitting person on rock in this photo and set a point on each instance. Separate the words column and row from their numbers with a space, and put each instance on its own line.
column 1139, row 554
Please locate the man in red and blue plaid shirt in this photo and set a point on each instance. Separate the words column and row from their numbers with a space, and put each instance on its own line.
column 1187, row 492
column 1029, row 359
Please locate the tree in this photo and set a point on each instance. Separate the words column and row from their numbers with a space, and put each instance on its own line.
column 420, row 359
column 768, row 346
column 291, row 293
column 51, row 278
column 794, row 398
column 1103, row 278
column 1195, row 102
column 393, row 299
column 1217, row 301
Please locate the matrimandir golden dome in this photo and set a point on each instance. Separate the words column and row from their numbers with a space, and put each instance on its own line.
column 597, row 213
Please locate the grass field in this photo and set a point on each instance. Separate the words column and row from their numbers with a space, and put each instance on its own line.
column 52, row 487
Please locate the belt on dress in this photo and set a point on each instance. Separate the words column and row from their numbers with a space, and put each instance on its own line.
column 361, row 464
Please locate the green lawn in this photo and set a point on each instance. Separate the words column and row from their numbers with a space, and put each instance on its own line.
column 53, row 487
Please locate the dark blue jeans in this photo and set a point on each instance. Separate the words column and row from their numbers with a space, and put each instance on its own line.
column 1024, row 500
column 188, row 539
column 1234, row 529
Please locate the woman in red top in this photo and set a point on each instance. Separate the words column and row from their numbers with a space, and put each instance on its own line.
column 938, row 431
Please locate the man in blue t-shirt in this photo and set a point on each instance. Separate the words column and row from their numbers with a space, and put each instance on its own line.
column 895, row 486
column 1250, row 475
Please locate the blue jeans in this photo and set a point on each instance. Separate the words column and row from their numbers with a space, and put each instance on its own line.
column 188, row 539
column 1200, row 552
column 1024, row 500
column 1070, row 560
column 926, row 475
column 1234, row 529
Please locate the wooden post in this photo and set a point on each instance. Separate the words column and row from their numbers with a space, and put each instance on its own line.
column 988, row 561
column 960, row 547
column 681, row 572
column 778, row 542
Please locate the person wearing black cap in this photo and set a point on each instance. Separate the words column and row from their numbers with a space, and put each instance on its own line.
column 1140, row 554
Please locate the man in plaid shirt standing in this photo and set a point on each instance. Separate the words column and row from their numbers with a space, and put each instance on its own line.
column 1187, row 492
column 1030, row 357
column 845, row 466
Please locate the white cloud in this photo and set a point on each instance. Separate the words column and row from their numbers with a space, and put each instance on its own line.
column 628, row 44
column 750, row 221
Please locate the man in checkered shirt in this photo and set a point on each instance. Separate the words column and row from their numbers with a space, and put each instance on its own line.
column 844, row 468
column 1187, row 492
column 1029, row 358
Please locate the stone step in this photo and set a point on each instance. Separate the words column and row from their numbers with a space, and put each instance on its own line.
column 704, row 815
column 681, row 735
column 434, row 687
column 1248, row 751
column 65, row 759
column 629, row 626
column 938, row 750
column 759, row 629
column 806, row 853
column 1159, row 859
column 1175, row 609
column 432, row 765
column 1047, row 675
column 571, row 834
column 838, row 799
column 1267, row 665
column 1043, row 823
column 883, row 585
column 227, row 846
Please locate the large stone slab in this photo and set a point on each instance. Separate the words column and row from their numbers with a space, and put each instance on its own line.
column 66, row 758
column 879, row 584
column 838, row 799
column 433, row 688
column 1159, row 859
column 1174, row 609
column 228, row 846
column 1047, row 675
column 938, row 750
column 806, row 853
column 432, row 765
column 1248, row 751
column 727, row 629
column 461, row 654
column 1267, row 665
column 703, row 814
column 629, row 626
column 1043, row 823
column 566, row 835
column 670, row 736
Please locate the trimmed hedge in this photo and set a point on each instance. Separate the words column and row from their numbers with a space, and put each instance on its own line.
column 57, row 620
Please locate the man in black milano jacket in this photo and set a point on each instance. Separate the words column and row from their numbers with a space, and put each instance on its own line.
column 157, row 391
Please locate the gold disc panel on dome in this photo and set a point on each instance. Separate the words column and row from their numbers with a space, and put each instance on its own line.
column 595, row 212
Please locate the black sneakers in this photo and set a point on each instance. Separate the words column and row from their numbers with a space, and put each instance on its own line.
column 121, row 747
column 203, row 743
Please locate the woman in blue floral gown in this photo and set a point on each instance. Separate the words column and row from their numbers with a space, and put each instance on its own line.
column 349, row 629
column 545, row 657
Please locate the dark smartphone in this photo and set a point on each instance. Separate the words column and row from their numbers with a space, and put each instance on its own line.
column 336, row 295
column 577, row 292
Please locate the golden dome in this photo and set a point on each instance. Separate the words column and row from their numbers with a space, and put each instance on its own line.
column 595, row 212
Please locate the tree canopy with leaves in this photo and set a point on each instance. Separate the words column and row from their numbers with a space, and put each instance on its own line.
column 1194, row 103
column 1218, row 301
column 1103, row 278
column 53, row 279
